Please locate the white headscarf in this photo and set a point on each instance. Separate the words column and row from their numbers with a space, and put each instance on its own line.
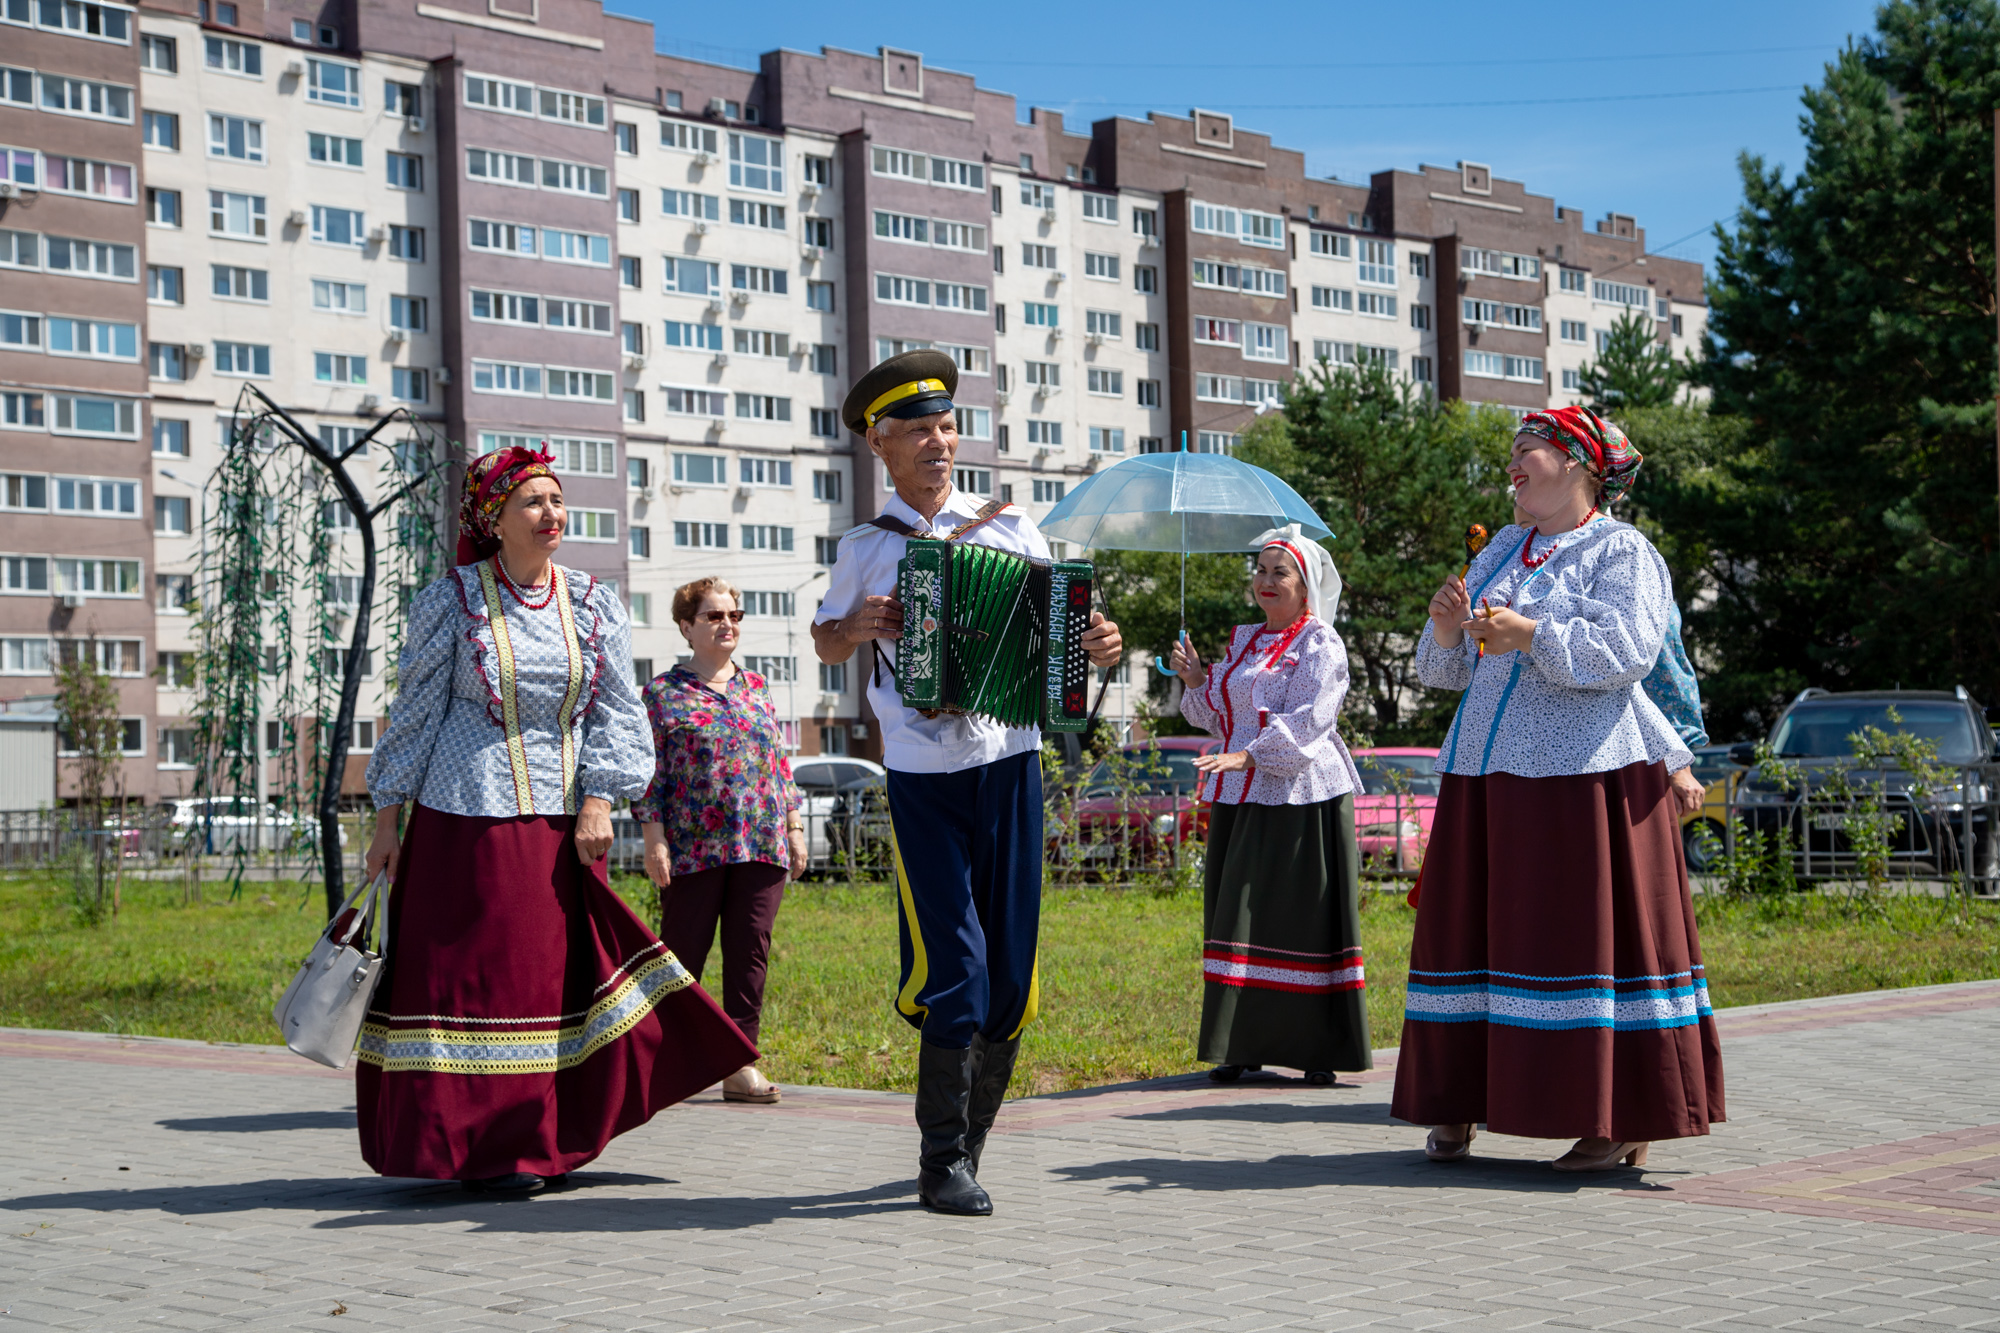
column 1322, row 580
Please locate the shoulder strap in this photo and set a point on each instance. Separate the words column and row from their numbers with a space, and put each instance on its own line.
column 890, row 523
column 989, row 511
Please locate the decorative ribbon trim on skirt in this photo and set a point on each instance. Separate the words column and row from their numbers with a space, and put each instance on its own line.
column 623, row 1001
column 1231, row 964
column 1521, row 1000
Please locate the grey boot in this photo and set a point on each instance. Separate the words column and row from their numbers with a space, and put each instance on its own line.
column 944, row 1174
column 992, row 1070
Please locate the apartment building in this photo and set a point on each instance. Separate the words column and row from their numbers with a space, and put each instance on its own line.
column 518, row 221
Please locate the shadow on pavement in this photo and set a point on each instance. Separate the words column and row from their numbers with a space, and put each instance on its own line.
column 1373, row 1169
column 366, row 1201
column 260, row 1124
column 1277, row 1113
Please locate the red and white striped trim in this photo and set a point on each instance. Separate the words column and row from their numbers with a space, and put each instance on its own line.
column 1239, row 969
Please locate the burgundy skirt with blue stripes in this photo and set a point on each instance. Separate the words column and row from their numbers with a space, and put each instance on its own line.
column 1556, row 986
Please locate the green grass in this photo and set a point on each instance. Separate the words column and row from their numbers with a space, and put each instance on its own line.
column 1120, row 976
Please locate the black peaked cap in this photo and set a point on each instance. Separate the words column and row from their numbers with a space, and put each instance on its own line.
column 898, row 372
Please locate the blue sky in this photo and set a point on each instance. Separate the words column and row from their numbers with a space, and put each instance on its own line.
column 1676, row 90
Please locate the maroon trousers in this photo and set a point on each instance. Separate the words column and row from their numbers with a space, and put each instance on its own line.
column 527, row 1016
column 744, row 899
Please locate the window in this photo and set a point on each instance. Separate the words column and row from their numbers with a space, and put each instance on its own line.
column 239, row 284
column 694, row 402
column 1102, row 267
column 817, row 170
column 628, row 271
column 92, row 259
column 347, row 298
column 1218, row 388
column 339, row 368
column 826, row 550
column 698, row 337
column 1107, row 440
column 332, row 149
column 825, row 423
column 106, row 578
column 819, row 296
column 751, row 278
column 1526, row 368
column 628, row 205
column 409, row 312
column 16, row 330
column 1212, row 219
column 402, row 99
column 1487, row 365
column 1047, row 434
column 691, row 277
column 1040, row 314
column 1265, row 342
column 1145, row 278
column 1216, row 442
column 170, row 438
column 100, row 496
column 24, row 657
column 406, row 171
column 582, row 316
column 1148, row 393
column 1332, row 244
column 244, row 359
column 687, row 138
column 1385, row 357
column 505, row 237
column 750, row 213
column 158, row 54
column 594, row 385
column 1502, row 315
column 409, row 385
column 1101, row 208
column 406, row 243
column 576, row 247
column 632, row 338
column 333, row 83
column 765, row 537
column 1103, row 323
column 84, row 414
column 826, row 487
column 1500, row 264
column 172, row 593
column 162, row 129
column 896, row 162
column 1042, row 374
column 763, row 407
column 1420, row 265
column 575, row 178
column 166, row 361
column 1106, row 383
column 20, row 249
column 1221, row 332
column 171, row 515
column 76, row 175
column 1048, row 492
column 1420, row 316
column 757, row 342
column 593, row 525
column 163, row 208
column 338, row 226
column 236, row 137
column 515, row 169
column 690, row 204
column 97, row 339
column 575, row 108
column 756, row 163
column 242, row 215
column 974, row 423
column 233, row 57
column 1421, row 369
column 1677, row 326
column 508, row 377
column 1572, row 381
column 1376, row 305
column 626, row 136
column 1037, row 256
column 1618, row 293
column 24, row 491
column 1332, row 298
column 1378, row 264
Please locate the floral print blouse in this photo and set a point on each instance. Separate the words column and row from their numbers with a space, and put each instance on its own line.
column 722, row 787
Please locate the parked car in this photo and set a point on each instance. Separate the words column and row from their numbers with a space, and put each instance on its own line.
column 1933, row 830
column 1138, row 807
column 220, row 823
column 830, row 792
column 1396, row 805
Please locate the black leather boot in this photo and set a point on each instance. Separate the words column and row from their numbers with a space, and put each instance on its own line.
column 944, row 1170
column 992, row 1070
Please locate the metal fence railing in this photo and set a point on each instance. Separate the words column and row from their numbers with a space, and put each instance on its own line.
column 1876, row 838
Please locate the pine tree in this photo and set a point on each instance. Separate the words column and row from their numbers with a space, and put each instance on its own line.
column 1633, row 369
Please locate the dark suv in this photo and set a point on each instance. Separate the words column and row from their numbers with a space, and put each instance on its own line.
column 1939, row 832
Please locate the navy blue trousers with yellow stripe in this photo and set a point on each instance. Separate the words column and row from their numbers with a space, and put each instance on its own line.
column 968, row 852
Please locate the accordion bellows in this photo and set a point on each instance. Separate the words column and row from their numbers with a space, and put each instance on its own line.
column 990, row 632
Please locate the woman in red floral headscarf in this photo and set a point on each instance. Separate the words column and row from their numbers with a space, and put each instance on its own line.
column 1556, row 987
column 527, row 1016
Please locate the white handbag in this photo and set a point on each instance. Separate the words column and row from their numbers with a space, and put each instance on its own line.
column 320, row 1013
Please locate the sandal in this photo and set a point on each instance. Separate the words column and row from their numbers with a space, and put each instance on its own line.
column 1440, row 1148
column 748, row 1084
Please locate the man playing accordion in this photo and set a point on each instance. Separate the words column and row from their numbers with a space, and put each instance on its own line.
column 965, row 792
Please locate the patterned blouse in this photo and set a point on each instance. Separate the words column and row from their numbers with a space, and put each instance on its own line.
column 1572, row 701
column 722, row 787
column 1276, row 695
column 504, row 709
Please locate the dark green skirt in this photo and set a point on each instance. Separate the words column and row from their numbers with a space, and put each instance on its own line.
column 1282, row 980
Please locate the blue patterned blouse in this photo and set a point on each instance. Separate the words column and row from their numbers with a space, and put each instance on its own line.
column 1672, row 686
column 506, row 710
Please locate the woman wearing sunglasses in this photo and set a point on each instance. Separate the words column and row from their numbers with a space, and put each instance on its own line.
column 721, row 820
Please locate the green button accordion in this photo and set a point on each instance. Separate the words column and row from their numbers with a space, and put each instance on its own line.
column 994, row 633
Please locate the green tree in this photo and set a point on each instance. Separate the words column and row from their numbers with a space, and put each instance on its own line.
column 1398, row 476
column 1848, row 537
column 1633, row 369
column 87, row 707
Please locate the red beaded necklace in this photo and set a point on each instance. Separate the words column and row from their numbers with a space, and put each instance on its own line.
column 515, row 588
column 1537, row 561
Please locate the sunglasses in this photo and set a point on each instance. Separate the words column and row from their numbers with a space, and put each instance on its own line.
column 717, row 617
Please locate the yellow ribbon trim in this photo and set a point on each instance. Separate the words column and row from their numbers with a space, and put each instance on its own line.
column 573, row 656
column 898, row 394
column 920, row 969
column 510, row 705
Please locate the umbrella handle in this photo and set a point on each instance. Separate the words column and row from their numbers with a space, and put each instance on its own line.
column 1160, row 663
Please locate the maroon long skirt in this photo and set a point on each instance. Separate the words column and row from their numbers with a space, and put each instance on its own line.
column 528, row 1016
column 1556, row 986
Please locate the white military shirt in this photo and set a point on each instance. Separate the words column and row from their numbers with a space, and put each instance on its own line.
column 866, row 567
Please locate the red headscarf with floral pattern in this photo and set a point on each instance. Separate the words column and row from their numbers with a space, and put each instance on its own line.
column 489, row 480
column 1591, row 441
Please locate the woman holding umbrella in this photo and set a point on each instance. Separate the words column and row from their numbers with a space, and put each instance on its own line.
column 1281, row 929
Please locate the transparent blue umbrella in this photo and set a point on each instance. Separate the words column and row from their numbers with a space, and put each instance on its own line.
column 1179, row 502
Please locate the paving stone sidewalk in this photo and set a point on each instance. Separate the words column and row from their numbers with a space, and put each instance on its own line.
column 177, row 1185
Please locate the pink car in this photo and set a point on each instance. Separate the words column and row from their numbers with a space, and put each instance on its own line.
column 1395, row 807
